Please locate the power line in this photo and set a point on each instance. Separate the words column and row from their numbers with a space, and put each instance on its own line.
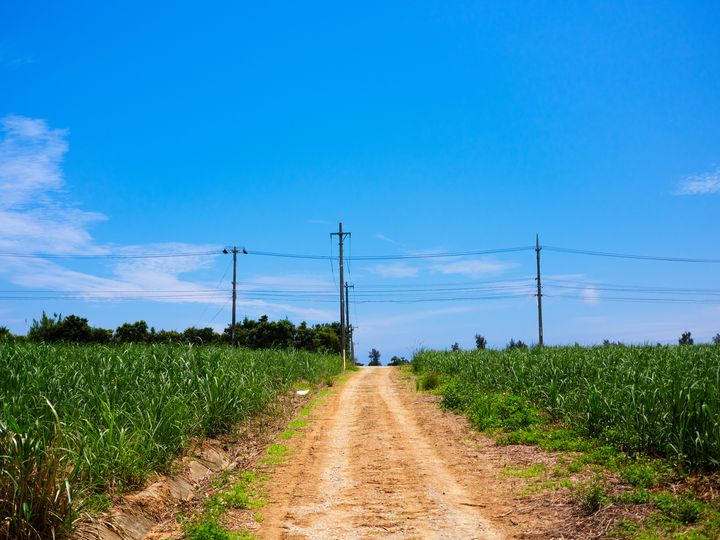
column 280, row 292
column 394, row 257
column 356, row 319
column 642, row 300
column 108, row 255
column 449, row 299
column 332, row 270
column 114, row 297
column 349, row 259
column 629, row 256
column 217, row 287
column 520, row 286
column 640, row 290
column 354, row 305
column 466, row 253
column 290, row 255
column 441, row 255
column 360, row 299
column 220, row 310
column 324, row 298
column 631, row 286
column 524, row 280
column 130, row 292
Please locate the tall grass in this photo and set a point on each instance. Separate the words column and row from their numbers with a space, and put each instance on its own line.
column 660, row 400
column 81, row 419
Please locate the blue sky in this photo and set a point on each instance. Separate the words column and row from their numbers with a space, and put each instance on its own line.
column 424, row 127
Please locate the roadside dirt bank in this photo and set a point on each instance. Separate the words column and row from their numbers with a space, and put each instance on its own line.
column 151, row 513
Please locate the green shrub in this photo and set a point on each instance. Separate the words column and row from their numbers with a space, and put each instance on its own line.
column 428, row 381
column 457, row 395
column 591, row 497
column 208, row 530
column 504, row 411
column 683, row 508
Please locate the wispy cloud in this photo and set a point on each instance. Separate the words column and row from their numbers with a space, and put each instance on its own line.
column 34, row 214
column 700, row 184
column 11, row 60
column 37, row 215
column 395, row 270
column 30, row 157
column 590, row 295
column 384, row 238
column 472, row 267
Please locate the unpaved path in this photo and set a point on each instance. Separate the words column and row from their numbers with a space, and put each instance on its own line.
column 369, row 467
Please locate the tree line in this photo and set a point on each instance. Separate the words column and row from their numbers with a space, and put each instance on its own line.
column 253, row 334
column 481, row 343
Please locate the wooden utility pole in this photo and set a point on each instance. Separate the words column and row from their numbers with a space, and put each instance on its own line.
column 347, row 321
column 539, row 291
column 234, row 296
column 234, row 251
column 341, row 236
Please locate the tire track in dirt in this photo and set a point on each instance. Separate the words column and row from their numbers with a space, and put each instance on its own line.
column 366, row 468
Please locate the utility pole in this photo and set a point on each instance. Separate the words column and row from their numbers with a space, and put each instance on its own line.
column 347, row 321
column 234, row 251
column 234, row 297
column 341, row 236
column 539, row 291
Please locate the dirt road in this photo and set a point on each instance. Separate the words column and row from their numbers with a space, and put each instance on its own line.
column 369, row 468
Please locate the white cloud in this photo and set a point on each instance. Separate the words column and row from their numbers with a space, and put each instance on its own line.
column 472, row 268
column 36, row 217
column 154, row 271
column 33, row 214
column 700, row 184
column 395, row 270
column 30, row 157
column 48, row 275
column 147, row 283
column 590, row 295
column 384, row 238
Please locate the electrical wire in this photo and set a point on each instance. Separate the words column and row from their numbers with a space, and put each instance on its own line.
column 332, row 270
column 388, row 293
column 466, row 253
column 633, row 287
column 108, row 255
column 638, row 290
column 217, row 288
column 641, row 300
column 220, row 310
column 629, row 256
column 394, row 257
